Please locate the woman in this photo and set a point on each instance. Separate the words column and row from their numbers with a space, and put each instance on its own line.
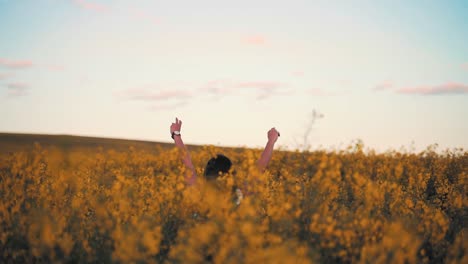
column 220, row 164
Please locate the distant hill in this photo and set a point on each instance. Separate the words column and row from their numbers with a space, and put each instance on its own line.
column 14, row 142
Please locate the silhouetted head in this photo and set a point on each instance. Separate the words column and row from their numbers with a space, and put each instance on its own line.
column 216, row 166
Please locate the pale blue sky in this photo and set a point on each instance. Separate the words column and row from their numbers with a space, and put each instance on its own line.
column 392, row 73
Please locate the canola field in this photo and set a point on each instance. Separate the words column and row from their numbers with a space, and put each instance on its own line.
column 131, row 205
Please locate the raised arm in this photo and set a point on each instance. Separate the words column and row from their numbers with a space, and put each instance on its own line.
column 262, row 163
column 191, row 176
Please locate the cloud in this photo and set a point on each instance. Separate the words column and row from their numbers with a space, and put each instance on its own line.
column 217, row 87
column 261, row 89
column 262, row 85
column 18, row 64
column 54, row 67
column 4, row 76
column 23, row 64
column 257, row 40
column 143, row 15
column 321, row 92
column 91, row 6
column 159, row 107
column 264, row 89
column 465, row 66
column 150, row 95
column 17, row 85
column 386, row 85
column 447, row 88
column 17, row 89
column 157, row 99
column 297, row 73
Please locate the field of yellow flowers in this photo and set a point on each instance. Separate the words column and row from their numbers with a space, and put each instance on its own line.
column 131, row 205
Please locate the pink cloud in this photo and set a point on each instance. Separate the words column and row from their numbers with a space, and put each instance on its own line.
column 386, row 85
column 321, row 92
column 157, row 99
column 344, row 82
column 4, row 76
column 255, row 40
column 297, row 73
column 91, row 6
column 465, row 66
column 267, row 94
column 263, row 89
column 160, row 107
column 18, row 64
column 150, row 95
column 23, row 64
column 17, row 89
column 262, row 85
column 143, row 15
column 55, row 67
column 218, row 87
column 17, row 85
column 447, row 88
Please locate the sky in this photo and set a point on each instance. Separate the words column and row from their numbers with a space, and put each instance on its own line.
column 393, row 74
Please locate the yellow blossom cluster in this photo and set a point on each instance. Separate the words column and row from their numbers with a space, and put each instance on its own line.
column 129, row 206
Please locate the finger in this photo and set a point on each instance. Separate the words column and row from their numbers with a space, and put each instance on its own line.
column 279, row 134
column 180, row 122
column 176, row 120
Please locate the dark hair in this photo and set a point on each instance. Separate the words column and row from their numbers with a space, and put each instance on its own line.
column 215, row 166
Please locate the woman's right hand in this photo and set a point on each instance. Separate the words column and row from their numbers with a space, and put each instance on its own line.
column 176, row 126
